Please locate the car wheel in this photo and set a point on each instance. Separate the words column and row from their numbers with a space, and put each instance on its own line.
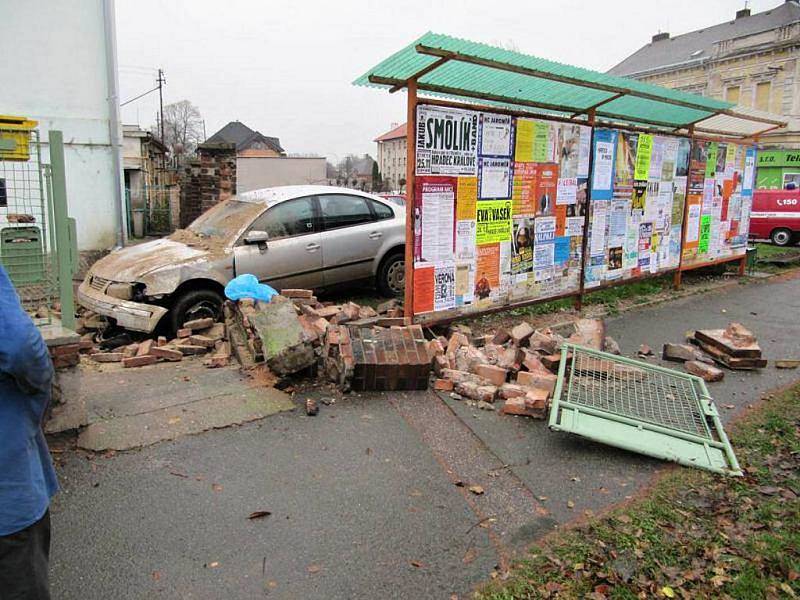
column 392, row 275
column 195, row 304
column 781, row 237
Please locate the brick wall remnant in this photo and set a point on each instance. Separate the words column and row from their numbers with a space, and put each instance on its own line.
column 207, row 180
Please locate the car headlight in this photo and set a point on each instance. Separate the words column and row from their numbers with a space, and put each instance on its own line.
column 123, row 291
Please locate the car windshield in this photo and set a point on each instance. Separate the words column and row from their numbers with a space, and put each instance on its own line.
column 226, row 219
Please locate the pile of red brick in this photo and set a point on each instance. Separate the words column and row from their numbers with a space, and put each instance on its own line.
column 201, row 336
column 516, row 366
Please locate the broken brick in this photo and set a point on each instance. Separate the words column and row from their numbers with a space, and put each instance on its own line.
column 312, row 408
column 138, row 361
column 201, row 340
column 512, row 390
column 679, row 352
column 161, row 341
column 706, row 371
column 199, row 324
column 589, row 332
column 545, row 380
column 107, row 357
column 393, row 321
column 297, row 293
column 145, row 347
column 191, row 349
column 520, row 333
column 183, row 333
column 443, row 385
column 474, row 391
column 496, row 375
column 130, row 350
column 456, row 341
column 166, row 353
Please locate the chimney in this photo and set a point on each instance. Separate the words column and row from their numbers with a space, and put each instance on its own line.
column 744, row 12
column 661, row 36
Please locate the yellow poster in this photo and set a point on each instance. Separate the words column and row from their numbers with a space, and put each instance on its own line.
column 644, row 150
column 494, row 221
column 466, row 197
column 523, row 152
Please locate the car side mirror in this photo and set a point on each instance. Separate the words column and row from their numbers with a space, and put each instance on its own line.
column 256, row 237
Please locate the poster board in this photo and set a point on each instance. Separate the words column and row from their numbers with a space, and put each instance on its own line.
column 718, row 202
column 498, row 210
column 638, row 188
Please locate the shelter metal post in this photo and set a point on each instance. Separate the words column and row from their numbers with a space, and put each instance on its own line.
column 677, row 277
column 585, row 242
column 411, row 163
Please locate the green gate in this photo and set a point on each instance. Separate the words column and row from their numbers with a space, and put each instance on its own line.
column 29, row 218
column 150, row 210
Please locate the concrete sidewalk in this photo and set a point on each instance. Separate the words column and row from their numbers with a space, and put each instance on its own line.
column 370, row 499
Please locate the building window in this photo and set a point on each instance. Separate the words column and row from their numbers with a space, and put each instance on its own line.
column 762, row 95
column 732, row 94
column 3, row 193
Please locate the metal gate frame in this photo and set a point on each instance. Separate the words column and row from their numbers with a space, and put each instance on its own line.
column 652, row 410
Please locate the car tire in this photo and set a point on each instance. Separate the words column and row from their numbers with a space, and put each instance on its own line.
column 781, row 236
column 391, row 279
column 195, row 304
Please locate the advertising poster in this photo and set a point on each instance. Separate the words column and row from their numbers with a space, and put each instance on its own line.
column 524, row 189
column 522, row 249
column 444, row 287
column 604, row 157
column 434, row 219
column 644, row 150
column 487, row 271
column 423, row 289
column 447, row 141
column 465, row 283
column 493, row 221
column 567, row 190
column 546, row 188
column 495, row 135
column 494, row 178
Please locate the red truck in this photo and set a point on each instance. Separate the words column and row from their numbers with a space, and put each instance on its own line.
column 776, row 215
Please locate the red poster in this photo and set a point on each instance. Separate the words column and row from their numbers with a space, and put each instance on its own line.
column 546, row 187
column 423, row 290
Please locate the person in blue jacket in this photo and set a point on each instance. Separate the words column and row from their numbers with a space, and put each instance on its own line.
column 27, row 478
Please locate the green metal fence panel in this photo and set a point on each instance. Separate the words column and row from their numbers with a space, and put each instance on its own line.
column 27, row 245
column 640, row 407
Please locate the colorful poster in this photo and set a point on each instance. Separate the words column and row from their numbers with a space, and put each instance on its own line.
column 522, row 249
column 493, row 221
column 711, row 160
column 542, row 151
column 574, row 226
column 487, row 270
column 692, row 223
column 524, row 188
column 423, row 289
column 544, row 229
column 447, row 141
column 466, row 198
column 546, row 188
column 444, row 290
column 465, row 239
column 644, row 150
column 494, row 178
column 567, row 191
column 496, row 137
column 603, row 167
column 705, row 234
column 465, row 283
column 523, row 148
column 434, row 219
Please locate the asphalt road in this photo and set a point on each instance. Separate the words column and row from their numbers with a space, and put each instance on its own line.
column 363, row 498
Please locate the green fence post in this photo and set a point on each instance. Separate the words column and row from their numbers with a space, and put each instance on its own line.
column 63, row 247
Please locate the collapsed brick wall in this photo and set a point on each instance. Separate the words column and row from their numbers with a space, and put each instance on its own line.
column 206, row 180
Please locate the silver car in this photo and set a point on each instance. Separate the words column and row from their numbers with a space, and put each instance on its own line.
column 289, row 237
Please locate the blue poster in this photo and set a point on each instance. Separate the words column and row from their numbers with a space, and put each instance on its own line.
column 605, row 150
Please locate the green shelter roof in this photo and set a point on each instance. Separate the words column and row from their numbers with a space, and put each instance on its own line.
column 470, row 71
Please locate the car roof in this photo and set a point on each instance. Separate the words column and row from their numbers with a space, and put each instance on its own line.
column 275, row 195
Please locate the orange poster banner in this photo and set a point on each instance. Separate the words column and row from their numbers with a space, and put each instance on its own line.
column 466, row 198
column 487, row 270
column 423, row 289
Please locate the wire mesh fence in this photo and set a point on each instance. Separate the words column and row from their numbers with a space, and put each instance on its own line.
column 26, row 233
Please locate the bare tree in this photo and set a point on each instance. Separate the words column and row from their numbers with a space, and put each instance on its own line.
column 183, row 127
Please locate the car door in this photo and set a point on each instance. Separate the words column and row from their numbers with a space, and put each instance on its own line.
column 351, row 239
column 292, row 256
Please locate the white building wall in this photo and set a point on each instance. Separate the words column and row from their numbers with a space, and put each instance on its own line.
column 54, row 71
column 256, row 172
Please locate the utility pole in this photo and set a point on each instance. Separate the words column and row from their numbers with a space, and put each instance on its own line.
column 161, row 82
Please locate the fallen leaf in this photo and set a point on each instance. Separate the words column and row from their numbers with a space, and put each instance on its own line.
column 476, row 489
column 173, row 420
column 624, row 518
column 156, row 575
column 415, row 563
column 181, row 475
column 769, row 490
column 212, row 565
column 258, row 514
column 313, row 568
column 570, row 504
column 470, row 555
column 668, row 591
column 217, row 487
column 368, row 451
column 415, row 493
column 788, row 589
column 272, row 584
column 459, row 483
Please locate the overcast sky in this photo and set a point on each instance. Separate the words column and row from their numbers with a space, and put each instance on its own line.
column 285, row 68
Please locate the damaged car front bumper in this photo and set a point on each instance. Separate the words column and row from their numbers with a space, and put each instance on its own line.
column 136, row 316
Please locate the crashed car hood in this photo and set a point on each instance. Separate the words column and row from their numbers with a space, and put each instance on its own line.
column 131, row 263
